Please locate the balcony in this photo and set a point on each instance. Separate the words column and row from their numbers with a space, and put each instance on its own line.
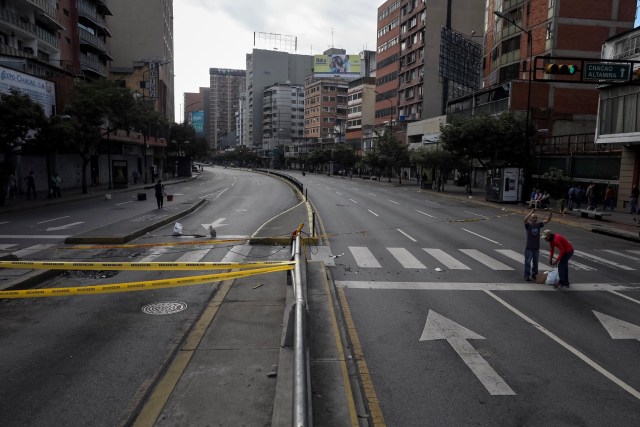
column 88, row 10
column 93, row 64
column 92, row 39
column 22, row 25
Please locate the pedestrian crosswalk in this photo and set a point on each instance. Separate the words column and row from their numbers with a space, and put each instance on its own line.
column 17, row 250
column 470, row 259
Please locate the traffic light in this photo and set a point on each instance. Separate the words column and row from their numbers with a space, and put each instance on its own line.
column 567, row 69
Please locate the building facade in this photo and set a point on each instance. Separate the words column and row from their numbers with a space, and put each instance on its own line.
column 197, row 113
column 283, row 123
column 266, row 68
column 153, row 45
column 361, row 114
column 388, row 62
column 225, row 86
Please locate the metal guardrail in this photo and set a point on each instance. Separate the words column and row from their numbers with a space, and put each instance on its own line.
column 289, row 178
column 301, row 407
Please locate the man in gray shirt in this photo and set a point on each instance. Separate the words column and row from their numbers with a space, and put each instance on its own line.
column 532, row 250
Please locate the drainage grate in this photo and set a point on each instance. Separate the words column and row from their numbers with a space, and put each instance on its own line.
column 160, row 308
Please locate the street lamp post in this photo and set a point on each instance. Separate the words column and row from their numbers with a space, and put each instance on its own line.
column 525, row 168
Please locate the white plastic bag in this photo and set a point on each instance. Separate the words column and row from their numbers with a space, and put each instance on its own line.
column 553, row 278
column 177, row 229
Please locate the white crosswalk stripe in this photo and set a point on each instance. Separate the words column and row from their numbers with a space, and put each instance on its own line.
column 492, row 263
column 22, row 253
column 405, row 258
column 364, row 258
column 6, row 246
column 446, row 259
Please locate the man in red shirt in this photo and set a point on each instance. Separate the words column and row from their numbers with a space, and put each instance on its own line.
column 565, row 251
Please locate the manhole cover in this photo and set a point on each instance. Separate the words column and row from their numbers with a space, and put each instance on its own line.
column 164, row 308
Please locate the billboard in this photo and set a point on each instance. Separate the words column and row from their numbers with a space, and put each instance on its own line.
column 41, row 91
column 346, row 66
column 196, row 119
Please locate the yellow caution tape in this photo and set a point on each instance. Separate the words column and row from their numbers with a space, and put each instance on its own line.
column 136, row 266
column 140, row 286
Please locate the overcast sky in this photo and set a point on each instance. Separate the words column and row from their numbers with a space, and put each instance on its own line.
column 219, row 34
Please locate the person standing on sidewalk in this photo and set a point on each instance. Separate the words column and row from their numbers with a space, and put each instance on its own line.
column 532, row 249
column 55, row 185
column 565, row 252
column 633, row 200
column 591, row 196
column 159, row 190
column 31, row 185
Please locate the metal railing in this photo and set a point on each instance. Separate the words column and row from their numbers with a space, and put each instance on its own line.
column 301, row 405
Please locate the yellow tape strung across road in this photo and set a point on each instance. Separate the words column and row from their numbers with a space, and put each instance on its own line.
column 137, row 266
column 140, row 286
column 146, row 245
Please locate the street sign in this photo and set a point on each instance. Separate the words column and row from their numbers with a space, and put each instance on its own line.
column 606, row 72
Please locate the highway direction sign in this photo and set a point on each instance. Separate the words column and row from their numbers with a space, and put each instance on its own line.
column 606, row 72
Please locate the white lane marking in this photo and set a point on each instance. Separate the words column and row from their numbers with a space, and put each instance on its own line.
column 7, row 246
column 406, row 235
column 4, row 222
column 215, row 195
column 446, row 259
column 620, row 254
column 425, row 214
column 373, row 212
column 354, row 188
column 32, row 249
column 372, row 194
column 339, row 194
column 124, row 203
column 600, row 260
column 516, row 256
column 237, row 253
column 353, row 201
column 492, row 263
column 364, row 258
column 471, row 286
column 574, row 264
column 569, row 347
column 50, row 220
column 405, row 258
column 476, row 214
column 34, row 236
column 439, row 327
column 625, row 297
column 393, row 201
column 482, row 237
column 64, row 227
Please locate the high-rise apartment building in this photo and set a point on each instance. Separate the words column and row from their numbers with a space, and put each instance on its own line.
column 558, row 29
column 388, row 62
column 266, row 68
column 226, row 87
column 361, row 114
column 283, row 124
column 142, row 34
column 196, row 111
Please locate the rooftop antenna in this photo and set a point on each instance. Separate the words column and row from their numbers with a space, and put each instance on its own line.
column 331, row 37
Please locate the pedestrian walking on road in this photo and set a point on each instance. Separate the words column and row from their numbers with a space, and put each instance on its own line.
column 532, row 249
column 159, row 189
column 31, row 185
column 565, row 252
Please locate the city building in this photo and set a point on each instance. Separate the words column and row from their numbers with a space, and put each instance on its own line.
column 225, row 86
column 361, row 114
column 196, row 111
column 387, row 63
column 619, row 116
column 283, row 123
column 266, row 68
column 153, row 46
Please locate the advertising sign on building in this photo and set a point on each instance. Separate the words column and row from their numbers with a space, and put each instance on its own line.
column 196, row 119
column 345, row 66
column 41, row 91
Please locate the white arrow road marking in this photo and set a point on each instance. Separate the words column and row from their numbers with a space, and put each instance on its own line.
column 611, row 377
column 64, row 227
column 618, row 329
column 217, row 223
column 439, row 327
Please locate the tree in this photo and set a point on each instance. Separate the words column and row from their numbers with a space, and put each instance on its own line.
column 21, row 119
column 389, row 153
column 443, row 160
column 344, row 155
column 491, row 140
column 98, row 108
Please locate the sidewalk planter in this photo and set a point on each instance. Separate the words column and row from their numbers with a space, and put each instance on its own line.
column 169, row 197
